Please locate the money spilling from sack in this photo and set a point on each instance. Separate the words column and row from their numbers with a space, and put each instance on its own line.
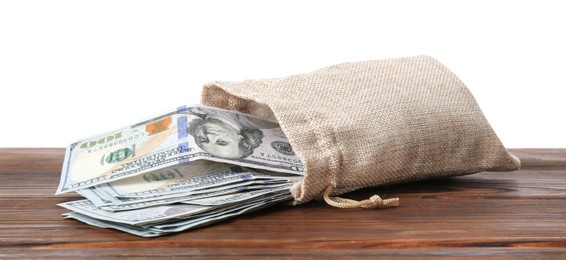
column 184, row 169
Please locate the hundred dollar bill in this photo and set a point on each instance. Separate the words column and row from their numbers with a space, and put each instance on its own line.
column 217, row 215
column 185, row 135
column 132, row 229
column 174, row 179
column 137, row 216
column 100, row 198
column 237, row 197
column 135, row 203
column 178, row 179
column 182, row 180
column 168, row 227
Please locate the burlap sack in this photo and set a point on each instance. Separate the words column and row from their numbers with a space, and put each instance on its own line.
column 363, row 124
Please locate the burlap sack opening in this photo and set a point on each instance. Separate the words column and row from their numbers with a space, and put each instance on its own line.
column 363, row 124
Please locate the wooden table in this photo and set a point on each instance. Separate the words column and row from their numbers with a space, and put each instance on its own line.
column 518, row 214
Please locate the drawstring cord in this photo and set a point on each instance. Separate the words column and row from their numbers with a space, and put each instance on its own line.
column 373, row 202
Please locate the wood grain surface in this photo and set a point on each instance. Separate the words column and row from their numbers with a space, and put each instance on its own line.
column 495, row 215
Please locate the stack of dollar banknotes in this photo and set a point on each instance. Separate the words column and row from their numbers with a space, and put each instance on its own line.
column 181, row 170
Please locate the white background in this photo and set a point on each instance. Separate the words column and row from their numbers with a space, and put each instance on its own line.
column 73, row 69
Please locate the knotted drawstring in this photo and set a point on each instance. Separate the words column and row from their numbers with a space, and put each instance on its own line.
column 373, row 202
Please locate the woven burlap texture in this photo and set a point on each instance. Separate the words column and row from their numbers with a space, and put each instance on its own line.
column 371, row 123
